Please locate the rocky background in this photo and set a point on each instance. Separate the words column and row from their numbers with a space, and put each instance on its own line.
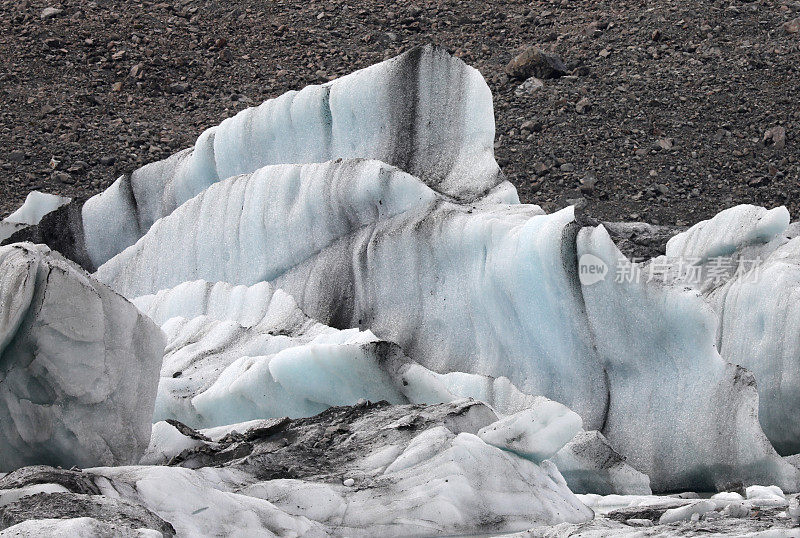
column 663, row 111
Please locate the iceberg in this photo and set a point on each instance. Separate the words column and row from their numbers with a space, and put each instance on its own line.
column 78, row 365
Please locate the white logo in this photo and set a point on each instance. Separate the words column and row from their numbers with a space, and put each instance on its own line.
column 591, row 269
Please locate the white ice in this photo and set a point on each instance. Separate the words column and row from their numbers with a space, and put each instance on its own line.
column 80, row 365
column 425, row 112
column 536, row 433
column 749, row 263
column 457, row 484
column 487, row 289
column 37, row 205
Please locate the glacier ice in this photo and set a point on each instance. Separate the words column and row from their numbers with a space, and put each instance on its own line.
column 536, row 433
column 236, row 353
column 747, row 264
column 489, row 289
column 590, row 464
column 414, row 470
column 355, row 242
column 78, row 365
column 318, row 203
column 293, row 377
column 75, row 527
column 727, row 232
column 422, row 249
column 425, row 112
column 37, row 205
column 711, row 404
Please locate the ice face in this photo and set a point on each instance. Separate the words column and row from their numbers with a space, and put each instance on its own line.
column 759, row 319
column 425, row 112
column 667, row 332
column 241, row 352
column 316, row 204
column 748, row 272
column 78, row 365
column 418, row 242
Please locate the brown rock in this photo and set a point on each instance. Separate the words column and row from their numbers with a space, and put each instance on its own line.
column 776, row 137
column 534, row 62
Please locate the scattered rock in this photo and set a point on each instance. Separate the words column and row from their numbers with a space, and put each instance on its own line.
column 534, row 62
column 178, row 87
column 531, row 126
column 50, row 12
column 776, row 137
column 588, row 183
column 529, row 87
column 666, row 143
column 792, row 26
column 583, row 105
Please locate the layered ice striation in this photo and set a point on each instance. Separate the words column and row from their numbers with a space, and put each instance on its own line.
column 486, row 288
column 425, row 112
column 78, row 365
column 236, row 353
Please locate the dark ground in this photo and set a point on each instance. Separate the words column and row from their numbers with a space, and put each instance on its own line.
column 102, row 88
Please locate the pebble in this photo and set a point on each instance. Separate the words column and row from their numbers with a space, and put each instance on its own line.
column 588, row 183
column 529, row 87
column 50, row 12
column 584, row 105
column 178, row 87
column 531, row 126
column 349, row 482
column 776, row 137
